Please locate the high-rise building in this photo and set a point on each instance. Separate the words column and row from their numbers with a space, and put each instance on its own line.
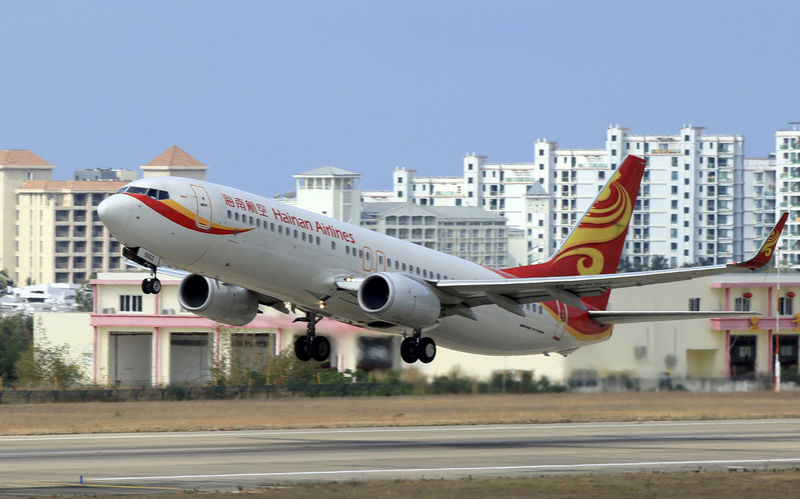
column 58, row 236
column 787, row 163
column 16, row 167
column 690, row 210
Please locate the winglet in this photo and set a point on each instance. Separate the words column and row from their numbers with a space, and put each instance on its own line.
column 764, row 254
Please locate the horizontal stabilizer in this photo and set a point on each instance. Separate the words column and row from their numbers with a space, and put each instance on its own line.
column 631, row 317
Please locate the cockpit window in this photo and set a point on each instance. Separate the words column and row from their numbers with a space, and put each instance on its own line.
column 153, row 193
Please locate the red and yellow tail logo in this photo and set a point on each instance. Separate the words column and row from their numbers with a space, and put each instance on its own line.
column 595, row 245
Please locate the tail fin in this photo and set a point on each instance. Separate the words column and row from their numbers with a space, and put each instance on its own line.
column 594, row 246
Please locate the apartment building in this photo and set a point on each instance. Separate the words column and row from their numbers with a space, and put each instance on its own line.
column 787, row 164
column 58, row 236
column 16, row 167
column 466, row 232
column 690, row 208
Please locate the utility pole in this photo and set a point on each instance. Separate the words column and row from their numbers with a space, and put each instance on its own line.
column 777, row 342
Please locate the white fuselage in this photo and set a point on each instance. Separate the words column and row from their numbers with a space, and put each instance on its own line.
column 296, row 256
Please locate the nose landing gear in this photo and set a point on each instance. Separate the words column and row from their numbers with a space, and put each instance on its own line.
column 151, row 285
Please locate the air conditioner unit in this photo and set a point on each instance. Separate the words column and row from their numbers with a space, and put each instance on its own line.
column 168, row 311
column 640, row 351
column 109, row 310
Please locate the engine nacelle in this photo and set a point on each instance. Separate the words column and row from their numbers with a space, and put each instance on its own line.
column 221, row 302
column 398, row 299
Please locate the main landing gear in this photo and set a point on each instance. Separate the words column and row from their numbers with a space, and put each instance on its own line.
column 311, row 346
column 414, row 348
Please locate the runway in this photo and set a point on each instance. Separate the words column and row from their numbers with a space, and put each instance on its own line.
column 226, row 460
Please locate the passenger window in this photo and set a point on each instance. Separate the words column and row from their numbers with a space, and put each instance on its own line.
column 318, row 241
column 304, row 237
column 396, row 265
column 368, row 256
column 424, row 273
column 295, row 233
column 361, row 253
column 388, row 262
column 380, row 260
column 230, row 215
column 417, row 270
column 236, row 216
column 333, row 245
column 404, row 267
column 438, row 276
column 251, row 220
column 258, row 223
column 280, row 229
column 272, row 227
column 347, row 250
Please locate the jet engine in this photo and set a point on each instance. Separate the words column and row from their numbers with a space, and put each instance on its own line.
column 399, row 299
column 221, row 302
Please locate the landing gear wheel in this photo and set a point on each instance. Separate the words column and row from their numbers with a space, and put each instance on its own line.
column 151, row 285
column 321, row 348
column 301, row 349
column 408, row 350
column 426, row 350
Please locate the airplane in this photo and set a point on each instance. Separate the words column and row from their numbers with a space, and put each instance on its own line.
column 242, row 250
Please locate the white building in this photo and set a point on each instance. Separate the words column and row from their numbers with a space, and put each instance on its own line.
column 691, row 206
column 787, row 162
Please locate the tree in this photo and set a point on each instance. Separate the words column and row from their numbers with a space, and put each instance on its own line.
column 16, row 337
column 46, row 365
column 658, row 262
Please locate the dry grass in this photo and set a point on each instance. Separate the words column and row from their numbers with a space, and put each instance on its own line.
column 766, row 484
column 92, row 417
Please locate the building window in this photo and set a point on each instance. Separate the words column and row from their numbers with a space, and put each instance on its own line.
column 785, row 306
column 694, row 304
column 130, row 303
column 742, row 304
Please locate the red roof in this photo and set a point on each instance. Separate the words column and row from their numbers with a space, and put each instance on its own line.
column 174, row 156
column 20, row 157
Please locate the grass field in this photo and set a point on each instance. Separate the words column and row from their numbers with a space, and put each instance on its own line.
column 440, row 410
column 94, row 417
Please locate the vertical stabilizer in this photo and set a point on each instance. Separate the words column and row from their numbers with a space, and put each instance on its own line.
column 595, row 244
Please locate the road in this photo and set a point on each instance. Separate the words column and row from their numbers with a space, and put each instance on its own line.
column 226, row 460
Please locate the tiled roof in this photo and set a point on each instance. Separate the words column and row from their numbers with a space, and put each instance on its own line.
column 174, row 156
column 20, row 157
column 74, row 185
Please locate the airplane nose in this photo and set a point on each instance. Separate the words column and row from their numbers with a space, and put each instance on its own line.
column 115, row 213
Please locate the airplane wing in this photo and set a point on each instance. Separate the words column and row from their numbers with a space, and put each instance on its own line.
column 510, row 293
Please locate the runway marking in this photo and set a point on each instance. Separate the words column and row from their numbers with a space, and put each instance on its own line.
column 470, row 468
column 407, row 429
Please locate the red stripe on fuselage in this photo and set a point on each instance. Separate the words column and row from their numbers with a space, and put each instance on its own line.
column 179, row 218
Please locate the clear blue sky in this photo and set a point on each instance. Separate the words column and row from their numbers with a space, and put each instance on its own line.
column 262, row 90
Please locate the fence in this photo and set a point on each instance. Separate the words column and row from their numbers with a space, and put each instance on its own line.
column 179, row 392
